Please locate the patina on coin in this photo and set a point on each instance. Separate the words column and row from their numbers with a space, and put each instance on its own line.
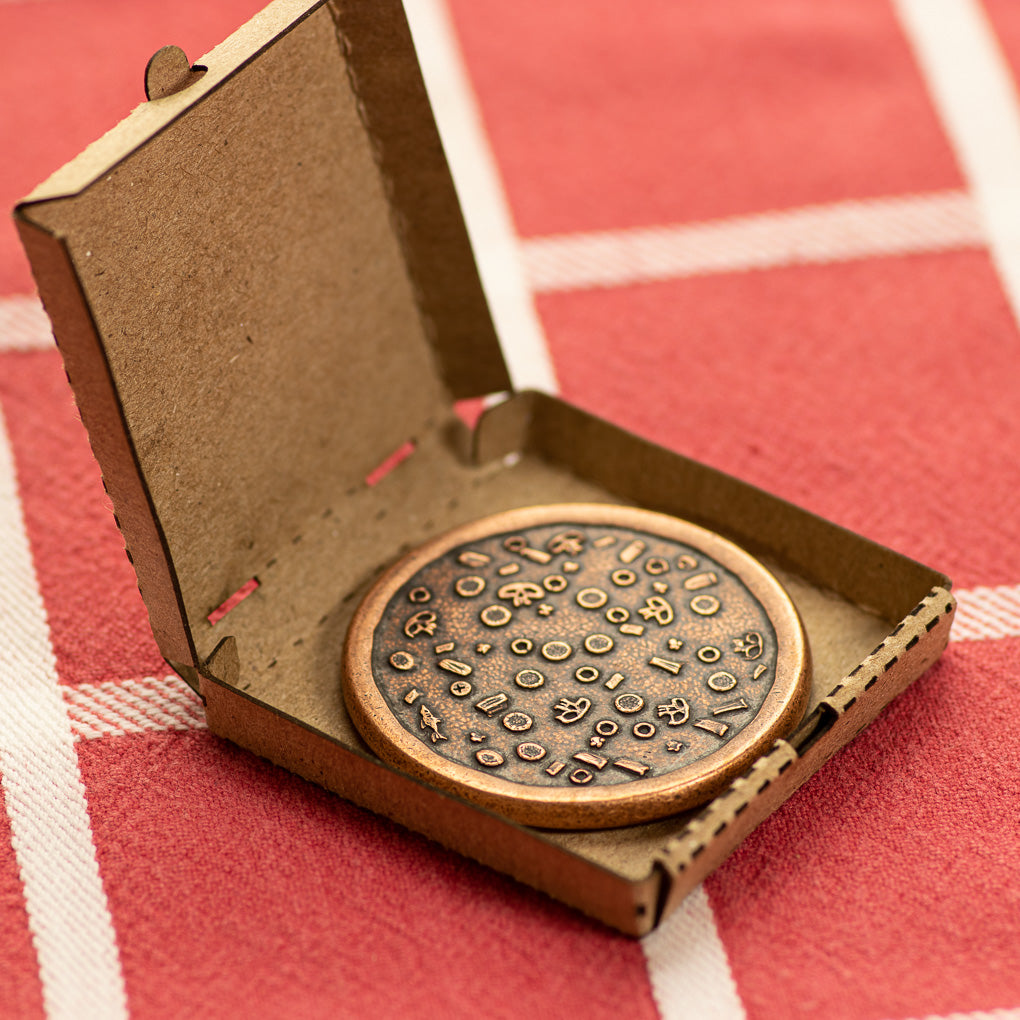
column 576, row 665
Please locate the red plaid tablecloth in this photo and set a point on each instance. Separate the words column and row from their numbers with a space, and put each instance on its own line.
column 783, row 238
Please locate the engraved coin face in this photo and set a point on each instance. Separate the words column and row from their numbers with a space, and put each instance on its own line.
column 577, row 665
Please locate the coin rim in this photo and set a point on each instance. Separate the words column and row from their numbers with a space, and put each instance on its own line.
column 581, row 807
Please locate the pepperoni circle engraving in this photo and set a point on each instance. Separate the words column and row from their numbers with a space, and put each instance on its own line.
column 470, row 586
column 722, row 681
column 598, row 644
column 517, row 722
column 529, row 679
column 495, row 616
column 530, row 751
column 556, row 651
column 705, row 605
column 629, row 703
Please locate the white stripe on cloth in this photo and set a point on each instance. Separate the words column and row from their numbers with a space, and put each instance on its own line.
column 68, row 916
column 687, row 965
column 24, row 326
column 119, row 707
column 972, row 89
column 481, row 195
column 987, row 613
column 837, row 232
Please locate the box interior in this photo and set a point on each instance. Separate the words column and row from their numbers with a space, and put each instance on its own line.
column 289, row 632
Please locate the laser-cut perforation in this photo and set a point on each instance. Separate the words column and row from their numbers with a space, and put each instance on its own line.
column 232, row 601
column 371, row 480
column 709, row 827
column 390, row 463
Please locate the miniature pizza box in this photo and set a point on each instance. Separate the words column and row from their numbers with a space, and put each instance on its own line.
column 262, row 286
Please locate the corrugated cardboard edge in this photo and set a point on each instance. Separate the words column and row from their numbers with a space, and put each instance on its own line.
column 89, row 374
column 853, row 704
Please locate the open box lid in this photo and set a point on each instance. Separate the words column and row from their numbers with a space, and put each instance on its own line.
column 262, row 285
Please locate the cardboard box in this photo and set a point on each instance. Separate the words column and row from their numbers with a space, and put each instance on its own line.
column 262, row 286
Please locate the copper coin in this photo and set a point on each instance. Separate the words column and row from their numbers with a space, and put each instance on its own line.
column 648, row 660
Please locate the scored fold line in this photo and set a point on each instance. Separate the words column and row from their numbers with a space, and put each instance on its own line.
column 481, row 195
